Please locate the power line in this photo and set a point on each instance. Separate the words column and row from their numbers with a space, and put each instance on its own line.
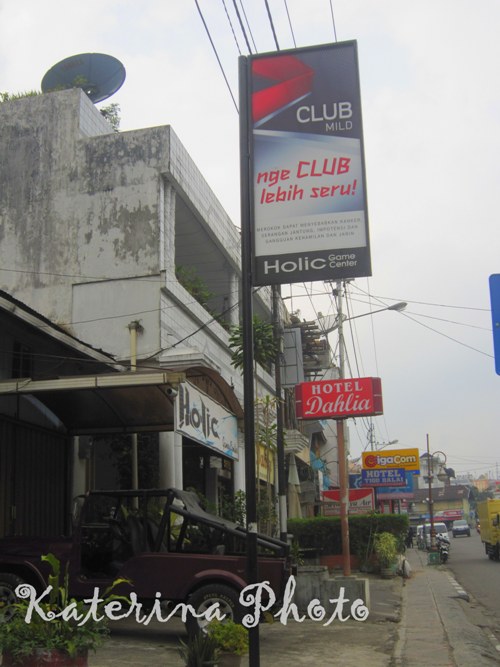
column 440, row 333
column 242, row 26
column 272, row 25
column 290, row 23
column 231, row 25
column 333, row 21
column 423, row 303
column 216, row 54
column 248, row 25
column 442, row 319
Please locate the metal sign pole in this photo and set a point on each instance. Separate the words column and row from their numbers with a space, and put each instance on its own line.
column 342, row 454
column 280, row 444
column 248, row 362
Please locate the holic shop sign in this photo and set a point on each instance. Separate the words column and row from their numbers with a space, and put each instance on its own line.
column 337, row 399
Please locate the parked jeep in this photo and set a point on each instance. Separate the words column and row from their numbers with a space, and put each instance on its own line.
column 162, row 541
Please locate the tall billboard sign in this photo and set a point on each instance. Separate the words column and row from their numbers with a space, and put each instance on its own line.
column 307, row 172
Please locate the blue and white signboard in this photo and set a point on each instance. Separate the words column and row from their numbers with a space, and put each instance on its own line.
column 393, row 492
column 383, row 477
column 355, row 481
column 202, row 419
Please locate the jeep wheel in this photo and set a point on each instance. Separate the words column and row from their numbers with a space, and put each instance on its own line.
column 8, row 584
column 205, row 597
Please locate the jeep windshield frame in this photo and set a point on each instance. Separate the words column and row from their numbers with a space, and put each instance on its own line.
column 186, row 504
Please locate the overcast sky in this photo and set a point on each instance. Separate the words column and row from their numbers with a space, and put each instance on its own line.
column 431, row 113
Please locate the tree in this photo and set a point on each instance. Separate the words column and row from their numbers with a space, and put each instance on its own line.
column 112, row 114
column 264, row 345
column 265, row 350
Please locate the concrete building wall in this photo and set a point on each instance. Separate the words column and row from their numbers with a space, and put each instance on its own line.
column 93, row 224
column 87, row 211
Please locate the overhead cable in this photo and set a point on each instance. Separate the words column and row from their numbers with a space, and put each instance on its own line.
column 231, row 25
column 242, row 26
column 272, row 25
column 290, row 23
column 216, row 55
column 333, row 21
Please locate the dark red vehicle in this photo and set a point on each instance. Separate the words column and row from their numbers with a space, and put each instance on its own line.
column 162, row 541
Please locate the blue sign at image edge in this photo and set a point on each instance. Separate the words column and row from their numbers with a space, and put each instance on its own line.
column 495, row 317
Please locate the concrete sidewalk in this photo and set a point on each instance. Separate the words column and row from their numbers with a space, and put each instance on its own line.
column 435, row 628
column 423, row 622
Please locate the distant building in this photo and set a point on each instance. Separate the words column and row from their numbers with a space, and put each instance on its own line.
column 449, row 503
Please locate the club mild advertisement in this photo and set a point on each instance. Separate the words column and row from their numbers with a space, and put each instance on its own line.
column 308, row 189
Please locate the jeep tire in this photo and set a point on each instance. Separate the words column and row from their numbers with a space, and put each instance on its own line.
column 8, row 584
column 204, row 597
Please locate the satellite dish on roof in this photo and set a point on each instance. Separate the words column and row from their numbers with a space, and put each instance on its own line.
column 97, row 74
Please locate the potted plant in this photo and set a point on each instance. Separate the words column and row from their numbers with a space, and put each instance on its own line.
column 386, row 550
column 60, row 642
column 201, row 650
column 231, row 640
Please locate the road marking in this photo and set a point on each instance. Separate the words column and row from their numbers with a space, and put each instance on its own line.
column 494, row 640
column 460, row 591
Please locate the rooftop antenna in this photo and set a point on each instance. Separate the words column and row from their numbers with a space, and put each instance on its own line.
column 97, row 74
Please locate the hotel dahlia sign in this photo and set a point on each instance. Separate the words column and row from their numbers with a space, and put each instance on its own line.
column 337, row 399
column 307, row 173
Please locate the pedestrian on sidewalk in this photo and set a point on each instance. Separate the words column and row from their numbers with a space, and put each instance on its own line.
column 409, row 539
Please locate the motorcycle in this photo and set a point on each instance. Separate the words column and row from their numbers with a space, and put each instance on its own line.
column 443, row 545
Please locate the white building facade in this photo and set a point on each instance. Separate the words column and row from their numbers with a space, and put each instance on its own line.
column 96, row 226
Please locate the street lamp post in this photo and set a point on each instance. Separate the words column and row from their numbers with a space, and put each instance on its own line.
column 340, row 317
column 342, row 453
column 431, row 509
column 430, row 477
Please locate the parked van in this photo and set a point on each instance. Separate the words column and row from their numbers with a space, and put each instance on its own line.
column 424, row 533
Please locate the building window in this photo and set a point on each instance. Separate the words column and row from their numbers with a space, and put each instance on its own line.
column 22, row 361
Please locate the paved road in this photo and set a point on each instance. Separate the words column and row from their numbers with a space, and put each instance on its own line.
column 479, row 577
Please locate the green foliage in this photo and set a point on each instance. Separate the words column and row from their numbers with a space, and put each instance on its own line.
column 267, row 512
column 264, row 345
column 229, row 636
column 21, row 639
column 194, row 284
column 295, row 553
column 266, row 427
column 234, row 509
column 386, row 549
column 10, row 97
column 112, row 114
column 266, row 431
column 324, row 533
column 201, row 650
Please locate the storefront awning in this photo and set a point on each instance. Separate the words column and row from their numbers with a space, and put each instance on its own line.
column 109, row 403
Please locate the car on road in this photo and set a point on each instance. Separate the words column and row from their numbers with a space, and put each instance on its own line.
column 460, row 527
